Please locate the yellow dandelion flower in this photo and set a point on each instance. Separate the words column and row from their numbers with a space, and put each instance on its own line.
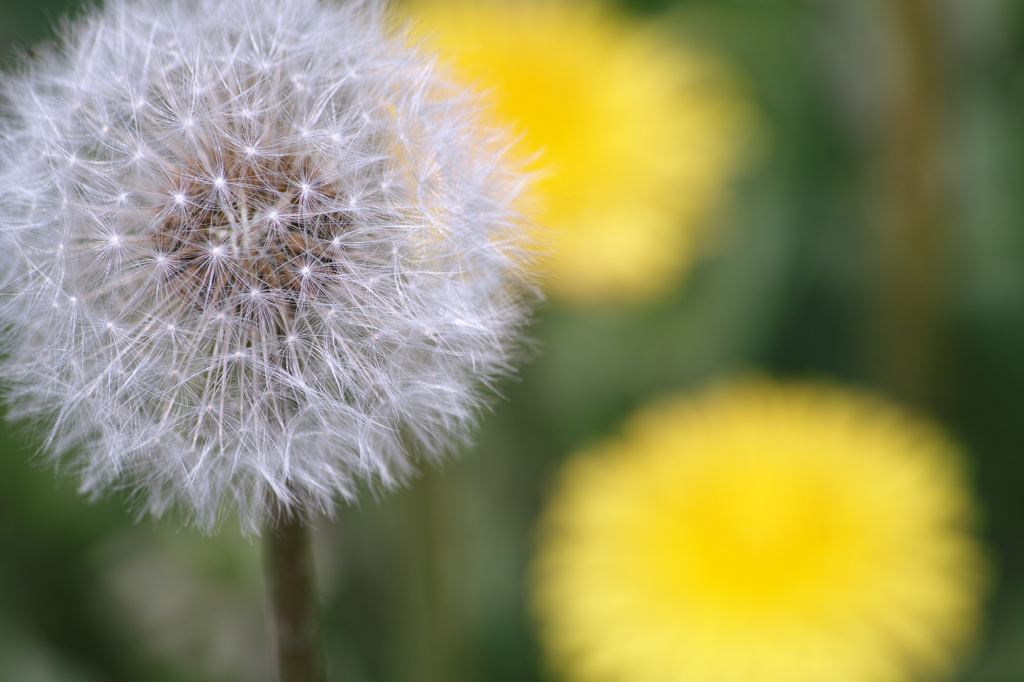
column 777, row 533
column 635, row 140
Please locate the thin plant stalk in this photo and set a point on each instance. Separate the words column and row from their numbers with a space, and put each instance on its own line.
column 914, row 244
column 288, row 557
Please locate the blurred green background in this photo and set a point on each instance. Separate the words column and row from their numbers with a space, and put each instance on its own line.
column 809, row 278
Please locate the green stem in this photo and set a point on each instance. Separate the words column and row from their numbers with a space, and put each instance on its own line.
column 914, row 245
column 288, row 555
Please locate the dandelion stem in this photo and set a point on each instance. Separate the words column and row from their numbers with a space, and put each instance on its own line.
column 289, row 570
column 914, row 244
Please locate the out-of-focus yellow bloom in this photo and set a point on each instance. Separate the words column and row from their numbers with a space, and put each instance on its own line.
column 777, row 533
column 637, row 140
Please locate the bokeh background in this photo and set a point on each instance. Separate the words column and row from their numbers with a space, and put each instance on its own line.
column 876, row 239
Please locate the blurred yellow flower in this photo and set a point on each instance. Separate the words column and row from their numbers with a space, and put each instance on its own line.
column 762, row 532
column 635, row 140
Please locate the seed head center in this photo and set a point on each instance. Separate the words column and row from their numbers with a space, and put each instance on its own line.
column 252, row 235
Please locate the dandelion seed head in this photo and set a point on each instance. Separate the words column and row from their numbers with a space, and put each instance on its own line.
column 202, row 139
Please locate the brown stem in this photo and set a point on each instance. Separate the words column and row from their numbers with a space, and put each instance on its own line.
column 914, row 245
column 288, row 557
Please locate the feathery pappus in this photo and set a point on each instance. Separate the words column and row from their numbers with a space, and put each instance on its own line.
column 252, row 250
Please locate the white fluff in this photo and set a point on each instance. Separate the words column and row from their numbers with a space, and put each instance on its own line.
column 253, row 252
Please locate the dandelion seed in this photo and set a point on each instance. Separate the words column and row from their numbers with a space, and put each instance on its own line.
column 239, row 239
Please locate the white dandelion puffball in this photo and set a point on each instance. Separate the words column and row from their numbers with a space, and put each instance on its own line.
column 253, row 253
